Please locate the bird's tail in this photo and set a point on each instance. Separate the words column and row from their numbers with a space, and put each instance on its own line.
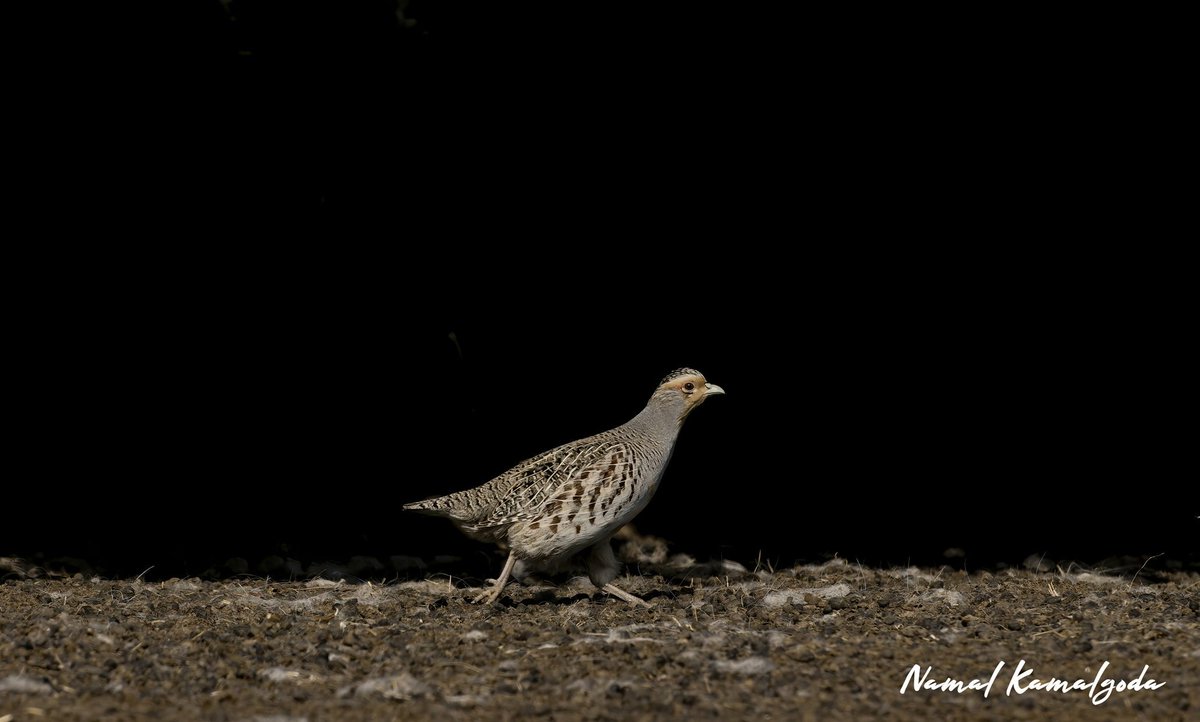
column 439, row 506
column 428, row 506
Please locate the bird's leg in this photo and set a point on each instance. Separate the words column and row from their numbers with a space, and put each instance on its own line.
column 603, row 568
column 620, row 593
column 493, row 594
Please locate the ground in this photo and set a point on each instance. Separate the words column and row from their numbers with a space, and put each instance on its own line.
column 830, row 641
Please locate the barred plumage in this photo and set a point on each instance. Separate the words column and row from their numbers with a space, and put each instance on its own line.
column 573, row 498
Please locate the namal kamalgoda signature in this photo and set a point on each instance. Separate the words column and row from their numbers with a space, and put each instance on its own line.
column 1099, row 688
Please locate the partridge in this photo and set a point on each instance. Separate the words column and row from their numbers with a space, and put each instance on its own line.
column 571, row 500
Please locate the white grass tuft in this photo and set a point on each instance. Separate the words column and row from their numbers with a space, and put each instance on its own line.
column 402, row 686
column 748, row 666
column 280, row 674
column 22, row 684
column 943, row 595
column 780, row 597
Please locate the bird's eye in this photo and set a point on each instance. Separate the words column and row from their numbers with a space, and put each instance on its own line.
column 689, row 386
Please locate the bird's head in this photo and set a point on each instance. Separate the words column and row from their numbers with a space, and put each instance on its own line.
column 686, row 389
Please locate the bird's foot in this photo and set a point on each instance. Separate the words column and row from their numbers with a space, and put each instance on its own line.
column 620, row 593
column 490, row 596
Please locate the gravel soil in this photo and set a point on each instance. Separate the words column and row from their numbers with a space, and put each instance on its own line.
column 834, row 641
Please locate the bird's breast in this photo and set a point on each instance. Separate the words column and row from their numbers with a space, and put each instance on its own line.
column 588, row 510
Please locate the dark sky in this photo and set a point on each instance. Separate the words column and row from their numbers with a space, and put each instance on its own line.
column 891, row 271
column 884, row 428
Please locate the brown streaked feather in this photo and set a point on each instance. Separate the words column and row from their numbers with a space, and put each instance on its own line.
column 542, row 485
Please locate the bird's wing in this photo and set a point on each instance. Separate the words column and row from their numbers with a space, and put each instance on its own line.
column 559, row 474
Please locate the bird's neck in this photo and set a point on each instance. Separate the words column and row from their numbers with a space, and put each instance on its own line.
column 662, row 416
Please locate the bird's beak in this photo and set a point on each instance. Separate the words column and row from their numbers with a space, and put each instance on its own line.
column 713, row 389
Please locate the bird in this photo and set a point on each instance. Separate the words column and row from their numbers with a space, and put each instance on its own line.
column 569, row 501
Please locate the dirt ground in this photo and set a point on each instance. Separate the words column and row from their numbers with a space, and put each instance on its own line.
column 832, row 641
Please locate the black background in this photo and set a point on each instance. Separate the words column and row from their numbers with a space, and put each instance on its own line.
column 357, row 265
